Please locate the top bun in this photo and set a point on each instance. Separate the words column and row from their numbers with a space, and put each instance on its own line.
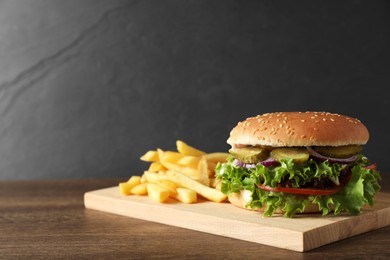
column 286, row 129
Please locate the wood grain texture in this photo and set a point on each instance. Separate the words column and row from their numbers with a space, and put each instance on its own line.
column 302, row 233
column 47, row 220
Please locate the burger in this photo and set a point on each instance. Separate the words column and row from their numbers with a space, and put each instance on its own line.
column 299, row 162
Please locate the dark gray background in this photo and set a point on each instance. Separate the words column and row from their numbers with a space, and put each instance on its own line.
column 86, row 87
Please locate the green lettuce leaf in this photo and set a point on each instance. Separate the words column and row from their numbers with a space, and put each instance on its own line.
column 360, row 190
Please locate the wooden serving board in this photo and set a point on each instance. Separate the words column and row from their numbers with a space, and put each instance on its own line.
column 301, row 233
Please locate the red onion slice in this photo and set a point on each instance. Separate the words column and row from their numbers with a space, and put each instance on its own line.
column 321, row 157
column 238, row 163
column 244, row 165
column 267, row 163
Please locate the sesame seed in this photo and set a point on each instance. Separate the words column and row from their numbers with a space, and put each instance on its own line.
column 302, row 120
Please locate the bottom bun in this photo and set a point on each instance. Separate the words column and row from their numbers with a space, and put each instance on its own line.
column 238, row 199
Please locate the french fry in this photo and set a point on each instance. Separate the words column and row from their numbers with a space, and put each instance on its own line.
column 150, row 156
column 154, row 177
column 169, row 156
column 211, row 166
column 191, row 172
column 205, row 191
column 218, row 186
column 189, row 161
column 203, row 172
column 156, row 167
column 125, row 187
column 217, row 157
column 215, row 182
column 185, row 195
column 157, row 193
column 140, row 189
column 134, row 180
column 160, row 153
column 185, row 149
column 169, row 185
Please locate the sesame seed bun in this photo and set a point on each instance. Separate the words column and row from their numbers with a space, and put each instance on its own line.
column 287, row 129
column 237, row 199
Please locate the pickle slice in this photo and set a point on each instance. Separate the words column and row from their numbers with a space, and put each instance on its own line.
column 339, row 151
column 299, row 155
column 249, row 154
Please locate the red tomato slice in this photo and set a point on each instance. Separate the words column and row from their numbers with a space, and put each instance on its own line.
column 302, row 191
column 371, row 167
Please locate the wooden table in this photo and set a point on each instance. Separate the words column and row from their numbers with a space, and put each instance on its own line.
column 47, row 219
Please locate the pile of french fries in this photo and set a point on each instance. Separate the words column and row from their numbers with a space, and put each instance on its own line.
column 182, row 175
